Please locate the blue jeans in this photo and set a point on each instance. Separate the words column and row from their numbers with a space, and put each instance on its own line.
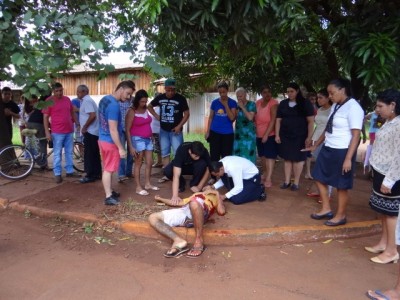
column 168, row 139
column 60, row 141
column 125, row 164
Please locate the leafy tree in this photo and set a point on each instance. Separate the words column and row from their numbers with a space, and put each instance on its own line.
column 310, row 41
column 43, row 38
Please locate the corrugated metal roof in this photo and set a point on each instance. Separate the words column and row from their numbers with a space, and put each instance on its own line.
column 83, row 68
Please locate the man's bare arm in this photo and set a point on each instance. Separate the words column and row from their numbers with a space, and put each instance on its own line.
column 168, row 201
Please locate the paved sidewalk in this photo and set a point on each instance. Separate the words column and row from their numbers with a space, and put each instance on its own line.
column 283, row 218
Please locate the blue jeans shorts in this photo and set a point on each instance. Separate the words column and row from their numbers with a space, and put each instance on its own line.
column 142, row 144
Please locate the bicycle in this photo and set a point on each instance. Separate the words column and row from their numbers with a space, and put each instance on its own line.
column 17, row 161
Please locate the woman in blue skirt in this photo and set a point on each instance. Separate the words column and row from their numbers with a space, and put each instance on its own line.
column 336, row 160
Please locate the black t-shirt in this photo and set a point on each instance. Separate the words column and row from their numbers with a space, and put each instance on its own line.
column 171, row 110
column 36, row 116
column 183, row 158
column 11, row 105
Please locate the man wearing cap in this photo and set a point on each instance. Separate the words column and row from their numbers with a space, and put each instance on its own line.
column 174, row 112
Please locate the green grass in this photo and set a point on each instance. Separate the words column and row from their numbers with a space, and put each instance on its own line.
column 16, row 139
column 190, row 137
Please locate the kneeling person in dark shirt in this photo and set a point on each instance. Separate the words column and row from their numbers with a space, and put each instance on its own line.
column 191, row 158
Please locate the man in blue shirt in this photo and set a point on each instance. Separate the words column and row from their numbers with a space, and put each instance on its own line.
column 110, row 130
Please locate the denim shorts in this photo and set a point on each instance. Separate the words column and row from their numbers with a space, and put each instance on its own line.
column 170, row 139
column 142, row 144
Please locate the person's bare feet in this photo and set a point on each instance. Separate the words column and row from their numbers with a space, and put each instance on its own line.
column 177, row 249
column 389, row 294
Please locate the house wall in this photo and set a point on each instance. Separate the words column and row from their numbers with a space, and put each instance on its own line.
column 105, row 86
column 200, row 110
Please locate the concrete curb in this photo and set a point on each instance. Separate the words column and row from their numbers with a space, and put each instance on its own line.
column 260, row 236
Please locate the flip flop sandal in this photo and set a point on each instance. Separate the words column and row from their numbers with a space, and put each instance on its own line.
column 164, row 179
column 201, row 249
column 152, row 187
column 143, row 193
column 380, row 295
column 176, row 251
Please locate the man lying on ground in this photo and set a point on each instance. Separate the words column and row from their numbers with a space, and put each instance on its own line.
column 194, row 211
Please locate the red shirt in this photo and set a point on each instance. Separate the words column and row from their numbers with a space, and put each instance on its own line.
column 60, row 115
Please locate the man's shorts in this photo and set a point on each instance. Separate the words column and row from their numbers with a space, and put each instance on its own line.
column 142, row 144
column 182, row 217
column 170, row 139
column 110, row 155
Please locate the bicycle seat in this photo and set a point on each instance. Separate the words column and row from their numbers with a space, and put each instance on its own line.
column 28, row 132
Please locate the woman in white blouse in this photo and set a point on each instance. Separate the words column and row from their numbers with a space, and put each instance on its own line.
column 320, row 120
column 336, row 160
column 385, row 162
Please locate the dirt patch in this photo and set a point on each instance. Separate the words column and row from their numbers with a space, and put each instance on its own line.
column 58, row 259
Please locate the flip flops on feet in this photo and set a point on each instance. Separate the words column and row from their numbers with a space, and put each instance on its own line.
column 152, row 187
column 377, row 295
column 163, row 179
column 176, row 251
column 195, row 252
column 142, row 193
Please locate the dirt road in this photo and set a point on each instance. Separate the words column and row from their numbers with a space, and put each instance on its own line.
column 54, row 259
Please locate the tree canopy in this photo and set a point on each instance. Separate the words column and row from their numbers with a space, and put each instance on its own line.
column 271, row 41
column 253, row 42
column 44, row 38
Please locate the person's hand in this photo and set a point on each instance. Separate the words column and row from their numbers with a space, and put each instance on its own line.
column 224, row 103
column 48, row 136
column 221, row 210
column 346, row 166
column 175, row 200
column 207, row 188
column 364, row 139
column 177, row 129
column 195, row 189
column 264, row 139
column 132, row 151
column 277, row 139
column 84, row 129
column 122, row 153
column 308, row 142
column 385, row 189
column 7, row 112
column 310, row 148
column 222, row 197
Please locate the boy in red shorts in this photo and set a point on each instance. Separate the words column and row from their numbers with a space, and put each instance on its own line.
column 110, row 130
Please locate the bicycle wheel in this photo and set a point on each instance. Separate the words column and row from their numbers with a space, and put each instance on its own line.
column 79, row 149
column 16, row 162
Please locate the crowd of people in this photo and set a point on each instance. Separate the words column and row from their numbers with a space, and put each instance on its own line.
column 125, row 129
